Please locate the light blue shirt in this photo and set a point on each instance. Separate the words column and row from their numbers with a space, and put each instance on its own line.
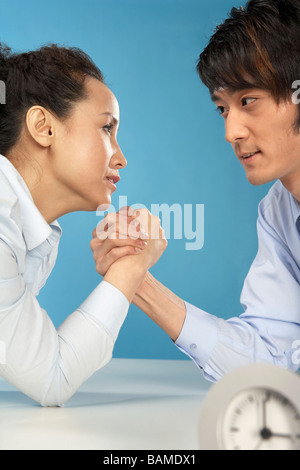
column 45, row 363
column 269, row 328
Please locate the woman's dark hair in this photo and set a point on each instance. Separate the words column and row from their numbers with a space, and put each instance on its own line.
column 257, row 46
column 51, row 76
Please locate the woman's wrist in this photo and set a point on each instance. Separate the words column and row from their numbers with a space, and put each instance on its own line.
column 127, row 274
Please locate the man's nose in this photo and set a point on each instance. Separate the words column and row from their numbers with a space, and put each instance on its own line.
column 235, row 128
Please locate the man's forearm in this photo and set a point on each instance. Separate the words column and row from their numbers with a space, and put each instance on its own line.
column 161, row 305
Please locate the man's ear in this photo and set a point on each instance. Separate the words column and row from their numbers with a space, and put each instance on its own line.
column 40, row 125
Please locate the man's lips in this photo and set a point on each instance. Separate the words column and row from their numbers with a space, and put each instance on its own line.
column 247, row 156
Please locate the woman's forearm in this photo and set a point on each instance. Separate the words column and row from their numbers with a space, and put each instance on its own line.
column 164, row 307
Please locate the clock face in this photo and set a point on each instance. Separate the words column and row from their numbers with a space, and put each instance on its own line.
column 260, row 419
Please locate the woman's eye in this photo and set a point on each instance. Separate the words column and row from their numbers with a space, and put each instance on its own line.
column 108, row 128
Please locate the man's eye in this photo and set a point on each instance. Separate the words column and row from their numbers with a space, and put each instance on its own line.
column 220, row 110
column 246, row 101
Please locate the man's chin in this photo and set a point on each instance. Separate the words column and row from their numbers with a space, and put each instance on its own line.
column 259, row 180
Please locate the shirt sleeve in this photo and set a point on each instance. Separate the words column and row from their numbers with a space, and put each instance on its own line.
column 270, row 324
column 46, row 364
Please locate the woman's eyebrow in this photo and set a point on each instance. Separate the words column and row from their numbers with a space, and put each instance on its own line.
column 115, row 120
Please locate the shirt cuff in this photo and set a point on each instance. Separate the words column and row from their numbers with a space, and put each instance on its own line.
column 108, row 305
column 199, row 335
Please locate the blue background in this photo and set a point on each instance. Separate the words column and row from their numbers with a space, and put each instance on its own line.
column 174, row 144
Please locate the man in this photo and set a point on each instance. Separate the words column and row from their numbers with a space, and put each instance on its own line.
column 250, row 67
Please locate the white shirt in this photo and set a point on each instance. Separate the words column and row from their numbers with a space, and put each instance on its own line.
column 46, row 364
column 269, row 328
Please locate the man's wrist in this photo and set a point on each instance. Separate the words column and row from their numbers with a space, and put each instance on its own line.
column 161, row 305
column 143, row 286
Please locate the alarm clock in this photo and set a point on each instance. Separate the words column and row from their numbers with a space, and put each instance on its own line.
column 256, row 407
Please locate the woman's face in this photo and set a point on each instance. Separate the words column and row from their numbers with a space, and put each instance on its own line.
column 86, row 155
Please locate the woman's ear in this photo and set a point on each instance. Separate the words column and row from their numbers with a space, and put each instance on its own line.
column 40, row 123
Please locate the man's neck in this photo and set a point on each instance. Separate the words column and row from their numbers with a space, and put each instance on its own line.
column 292, row 184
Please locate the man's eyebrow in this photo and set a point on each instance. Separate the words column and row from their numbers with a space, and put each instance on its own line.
column 215, row 97
column 115, row 120
column 234, row 91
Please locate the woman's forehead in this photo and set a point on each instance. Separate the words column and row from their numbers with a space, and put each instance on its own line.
column 101, row 97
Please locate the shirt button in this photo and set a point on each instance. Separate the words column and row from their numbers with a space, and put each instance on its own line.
column 193, row 346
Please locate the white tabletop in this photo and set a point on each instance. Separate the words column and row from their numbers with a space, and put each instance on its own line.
column 130, row 404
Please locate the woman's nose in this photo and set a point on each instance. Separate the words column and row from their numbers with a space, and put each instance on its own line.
column 118, row 160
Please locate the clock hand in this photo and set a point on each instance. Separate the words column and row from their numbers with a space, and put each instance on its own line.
column 267, row 398
column 265, row 433
column 287, row 436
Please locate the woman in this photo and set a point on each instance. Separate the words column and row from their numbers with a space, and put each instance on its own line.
column 59, row 154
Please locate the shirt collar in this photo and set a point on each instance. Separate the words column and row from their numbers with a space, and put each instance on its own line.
column 35, row 228
column 295, row 209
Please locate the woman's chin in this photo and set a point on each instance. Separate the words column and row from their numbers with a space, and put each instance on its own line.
column 103, row 207
column 104, row 204
column 93, row 206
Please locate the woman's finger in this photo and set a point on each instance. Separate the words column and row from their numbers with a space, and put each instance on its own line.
column 103, row 264
column 101, row 248
column 121, row 227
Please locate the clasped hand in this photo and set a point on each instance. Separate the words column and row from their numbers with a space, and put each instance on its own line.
column 128, row 233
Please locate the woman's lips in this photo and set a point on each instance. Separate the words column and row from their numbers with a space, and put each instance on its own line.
column 113, row 180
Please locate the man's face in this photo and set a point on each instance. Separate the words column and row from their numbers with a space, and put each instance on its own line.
column 262, row 135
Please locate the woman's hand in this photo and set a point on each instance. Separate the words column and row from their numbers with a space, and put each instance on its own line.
column 127, row 233
column 117, row 235
column 114, row 248
column 156, row 243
